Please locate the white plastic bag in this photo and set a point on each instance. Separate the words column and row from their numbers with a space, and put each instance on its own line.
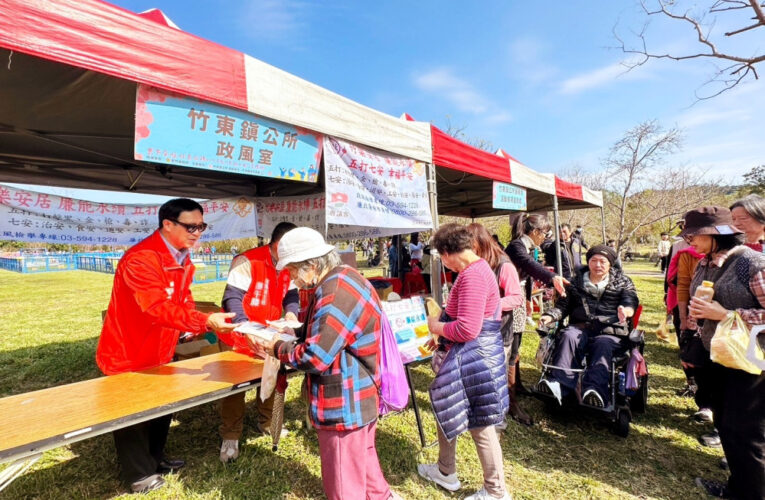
column 268, row 379
column 730, row 343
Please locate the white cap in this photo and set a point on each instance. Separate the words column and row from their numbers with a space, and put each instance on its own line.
column 301, row 244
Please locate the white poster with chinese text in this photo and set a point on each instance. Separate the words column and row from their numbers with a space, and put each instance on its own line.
column 310, row 211
column 45, row 218
column 368, row 188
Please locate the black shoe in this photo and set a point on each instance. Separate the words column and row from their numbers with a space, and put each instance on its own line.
column 711, row 439
column 147, row 484
column 724, row 463
column 168, row 466
column 714, row 489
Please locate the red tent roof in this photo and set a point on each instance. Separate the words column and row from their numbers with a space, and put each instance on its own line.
column 102, row 37
column 568, row 190
column 455, row 154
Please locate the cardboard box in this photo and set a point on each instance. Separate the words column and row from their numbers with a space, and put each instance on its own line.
column 195, row 348
column 207, row 307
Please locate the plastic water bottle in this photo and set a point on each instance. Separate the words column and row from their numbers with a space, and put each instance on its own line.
column 622, row 383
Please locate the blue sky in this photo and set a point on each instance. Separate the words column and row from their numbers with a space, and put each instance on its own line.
column 545, row 84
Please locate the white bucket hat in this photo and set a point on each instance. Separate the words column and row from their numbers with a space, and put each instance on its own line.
column 301, row 244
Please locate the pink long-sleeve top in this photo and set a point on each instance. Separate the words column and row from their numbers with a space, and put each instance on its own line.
column 510, row 285
column 473, row 298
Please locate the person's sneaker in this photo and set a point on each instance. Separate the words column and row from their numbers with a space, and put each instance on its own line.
column 711, row 439
column 229, row 450
column 703, row 416
column 431, row 473
column 714, row 489
column 552, row 388
column 482, row 494
column 147, row 484
column 724, row 464
column 592, row 398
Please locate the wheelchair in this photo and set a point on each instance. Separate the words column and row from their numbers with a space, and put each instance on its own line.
column 623, row 403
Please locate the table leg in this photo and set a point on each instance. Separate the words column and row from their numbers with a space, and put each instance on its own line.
column 414, row 405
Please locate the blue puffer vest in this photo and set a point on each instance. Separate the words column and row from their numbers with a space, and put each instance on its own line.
column 470, row 389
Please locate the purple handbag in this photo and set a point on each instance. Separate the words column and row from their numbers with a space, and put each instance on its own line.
column 394, row 390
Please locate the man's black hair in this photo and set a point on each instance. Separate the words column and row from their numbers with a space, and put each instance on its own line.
column 280, row 230
column 172, row 209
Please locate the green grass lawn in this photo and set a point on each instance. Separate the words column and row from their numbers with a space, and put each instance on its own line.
column 49, row 331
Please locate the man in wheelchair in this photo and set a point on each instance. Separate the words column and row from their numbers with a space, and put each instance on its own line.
column 597, row 304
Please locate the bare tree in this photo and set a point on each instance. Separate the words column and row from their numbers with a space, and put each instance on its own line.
column 588, row 218
column 642, row 188
column 732, row 67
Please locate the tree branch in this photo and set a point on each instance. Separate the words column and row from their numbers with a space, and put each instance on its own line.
column 744, row 65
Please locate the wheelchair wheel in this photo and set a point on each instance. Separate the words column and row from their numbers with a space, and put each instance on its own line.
column 639, row 401
column 622, row 423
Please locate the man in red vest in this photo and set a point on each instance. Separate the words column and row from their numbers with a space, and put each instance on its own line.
column 255, row 291
column 150, row 306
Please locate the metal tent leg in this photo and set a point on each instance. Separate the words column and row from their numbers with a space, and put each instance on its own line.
column 16, row 469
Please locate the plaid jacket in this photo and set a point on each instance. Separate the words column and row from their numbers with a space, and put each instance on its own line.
column 342, row 328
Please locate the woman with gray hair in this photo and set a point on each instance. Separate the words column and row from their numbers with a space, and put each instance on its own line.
column 340, row 352
column 749, row 217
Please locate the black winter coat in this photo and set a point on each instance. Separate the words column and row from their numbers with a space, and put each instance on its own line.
column 620, row 291
column 525, row 263
column 567, row 259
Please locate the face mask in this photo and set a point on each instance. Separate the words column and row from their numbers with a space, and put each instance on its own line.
column 301, row 281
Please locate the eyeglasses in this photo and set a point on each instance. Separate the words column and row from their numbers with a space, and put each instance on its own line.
column 688, row 238
column 191, row 228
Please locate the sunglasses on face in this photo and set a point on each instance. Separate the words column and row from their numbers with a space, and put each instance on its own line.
column 191, row 228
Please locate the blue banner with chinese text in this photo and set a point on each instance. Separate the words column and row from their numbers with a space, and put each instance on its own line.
column 178, row 130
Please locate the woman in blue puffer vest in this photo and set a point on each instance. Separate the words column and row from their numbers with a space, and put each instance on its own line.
column 469, row 392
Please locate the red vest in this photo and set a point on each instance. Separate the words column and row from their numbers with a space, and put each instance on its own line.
column 264, row 297
column 150, row 305
column 263, row 300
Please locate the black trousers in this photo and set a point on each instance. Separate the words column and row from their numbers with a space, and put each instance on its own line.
column 738, row 405
column 141, row 447
column 573, row 344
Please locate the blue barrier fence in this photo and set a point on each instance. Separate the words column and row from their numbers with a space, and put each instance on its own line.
column 209, row 268
column 38, row 263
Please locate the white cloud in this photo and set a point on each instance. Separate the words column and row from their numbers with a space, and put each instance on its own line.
column 601, row 77
column 273, row 20
column 459, row 92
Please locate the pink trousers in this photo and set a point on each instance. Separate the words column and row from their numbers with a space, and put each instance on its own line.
column 349, row 465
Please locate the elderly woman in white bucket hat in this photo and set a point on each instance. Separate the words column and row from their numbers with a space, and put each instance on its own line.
column 341, row 358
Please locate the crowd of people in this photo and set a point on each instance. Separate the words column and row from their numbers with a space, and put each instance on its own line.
column 475, row 341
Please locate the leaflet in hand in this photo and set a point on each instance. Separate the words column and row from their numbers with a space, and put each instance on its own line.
column 264, row 332
column 283, row 323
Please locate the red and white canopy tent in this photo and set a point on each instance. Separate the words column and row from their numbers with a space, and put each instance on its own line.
column 68, row 91
column 465, row 176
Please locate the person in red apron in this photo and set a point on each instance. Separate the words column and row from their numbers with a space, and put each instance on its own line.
column 255, row 291
column 151, row 304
